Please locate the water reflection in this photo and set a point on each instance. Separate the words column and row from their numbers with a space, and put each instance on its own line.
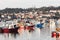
column 25, row 35
column 14, row 35
column 37, row 34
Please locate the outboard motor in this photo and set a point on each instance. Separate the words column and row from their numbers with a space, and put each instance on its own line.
column 16, row 29
column 1, row 30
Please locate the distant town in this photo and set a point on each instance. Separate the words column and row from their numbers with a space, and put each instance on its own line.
column 15, row 13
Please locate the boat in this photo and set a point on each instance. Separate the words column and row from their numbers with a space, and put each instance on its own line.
column 7, row 30
column 15, row 30
column 30, row 28
column 55, row 34
column 40, row 26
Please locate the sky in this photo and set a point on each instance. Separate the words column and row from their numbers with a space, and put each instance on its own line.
column 28, row 3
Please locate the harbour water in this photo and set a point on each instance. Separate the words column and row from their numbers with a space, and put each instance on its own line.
column 43, row 34
column 37, row 34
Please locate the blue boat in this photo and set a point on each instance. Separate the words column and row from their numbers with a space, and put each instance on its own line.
column 39, row 25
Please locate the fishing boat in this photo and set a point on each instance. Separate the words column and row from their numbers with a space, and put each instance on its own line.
column 10, row 30
column 8, row 27
column 15, row 29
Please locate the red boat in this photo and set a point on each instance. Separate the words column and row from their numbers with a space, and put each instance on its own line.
column 30, row 28
column 55, row 34
column 12, row 30
column 15, row 30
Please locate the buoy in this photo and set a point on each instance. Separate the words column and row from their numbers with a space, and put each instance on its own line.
column 59, row 34
column 54, row 34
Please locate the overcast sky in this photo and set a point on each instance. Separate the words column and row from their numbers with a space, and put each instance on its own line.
column 27, row 3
